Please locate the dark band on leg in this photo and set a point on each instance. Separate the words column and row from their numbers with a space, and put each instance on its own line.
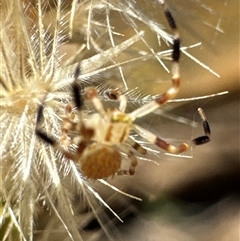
column 201, row 140
column 170, row 19
column 45, row 137
column 77, row 97
column 40, row 113
column 206, row 128
column 77, row 72
column 76, row 89
column 176, row 50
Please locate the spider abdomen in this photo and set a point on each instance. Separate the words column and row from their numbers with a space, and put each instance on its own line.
column 100, row 161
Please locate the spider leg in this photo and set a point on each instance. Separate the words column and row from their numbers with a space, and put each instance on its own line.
column 206, row 138
column 115, row 95
column 67, row 122
column 133, row 163
column 79, row 127
column 91, row 94
column 171, row 92
column 136, row 146
column 41, row 134
column 70, row 126
column 49, row 139
column 160, row 142
column 76, row 90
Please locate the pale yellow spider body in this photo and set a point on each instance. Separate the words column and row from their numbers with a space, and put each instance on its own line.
column 101, row 137
column 112, row 129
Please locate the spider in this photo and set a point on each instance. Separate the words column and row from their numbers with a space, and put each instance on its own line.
column 102, row 138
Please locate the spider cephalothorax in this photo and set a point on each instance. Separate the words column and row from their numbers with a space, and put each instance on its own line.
column 103, row 136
